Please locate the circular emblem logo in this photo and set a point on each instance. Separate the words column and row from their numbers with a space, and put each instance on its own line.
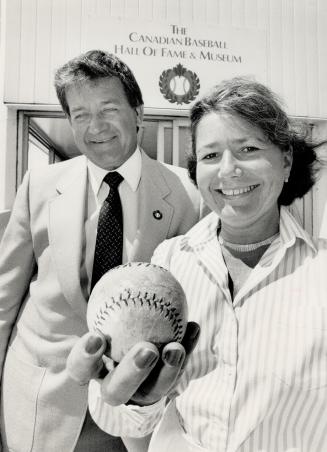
column 179, row 85
column 157, row 214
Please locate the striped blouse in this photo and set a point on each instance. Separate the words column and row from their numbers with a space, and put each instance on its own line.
column 257, row 380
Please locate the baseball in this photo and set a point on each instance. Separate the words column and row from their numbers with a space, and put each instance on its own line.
column 137, row 302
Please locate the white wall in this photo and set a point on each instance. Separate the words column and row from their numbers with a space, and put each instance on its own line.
column 45, row 33
column 8, row 133
column 40, row 35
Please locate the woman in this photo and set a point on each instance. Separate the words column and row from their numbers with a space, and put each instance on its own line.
column 256, row 283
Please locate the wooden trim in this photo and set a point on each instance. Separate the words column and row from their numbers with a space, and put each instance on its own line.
column 22, row 145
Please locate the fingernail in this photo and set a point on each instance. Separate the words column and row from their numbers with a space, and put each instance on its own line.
column 195, row 332
column 173, row 357
column 145, row 358
column 93, row 344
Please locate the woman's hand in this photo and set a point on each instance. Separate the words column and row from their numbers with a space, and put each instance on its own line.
column 142, row 377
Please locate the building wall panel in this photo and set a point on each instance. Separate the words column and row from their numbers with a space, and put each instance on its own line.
column 174, row 11
column 117, row 8
column 262, row 12
column 322, row 57
column 300, row 59
column 275, row 45
column 226, row 14
column 251, row 14
column 312, row 45
column 42, row 51
column 287, row 57
column 73, row 25
column 132, row 9
column 59, row 42
column 146, row 10
column 201, row 13
column 12, row 50
column 212, row 12
column 160, row 10
column 238, row 13
column 27, row 54
column 45, row 33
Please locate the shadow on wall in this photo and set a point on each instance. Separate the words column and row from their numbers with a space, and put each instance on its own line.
column 4, row 218
column 323, row 225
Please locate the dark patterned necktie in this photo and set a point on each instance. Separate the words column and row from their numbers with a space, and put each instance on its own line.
column 109, row 242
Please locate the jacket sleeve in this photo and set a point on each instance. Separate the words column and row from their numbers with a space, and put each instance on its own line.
column 17, row 264
column 124, row 420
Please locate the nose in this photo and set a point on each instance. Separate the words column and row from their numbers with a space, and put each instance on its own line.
column 228, row 165
column 96, row 125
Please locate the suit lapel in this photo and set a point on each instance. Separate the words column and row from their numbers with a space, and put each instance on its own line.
column 66, row 232
column 155, row 213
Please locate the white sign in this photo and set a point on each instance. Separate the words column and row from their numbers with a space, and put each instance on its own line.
column 175, row 64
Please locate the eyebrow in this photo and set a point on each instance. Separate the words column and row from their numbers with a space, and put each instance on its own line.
column 76, row 109
column 102, row 103
column 112, row 100
column 238, row 141
column 245, row 139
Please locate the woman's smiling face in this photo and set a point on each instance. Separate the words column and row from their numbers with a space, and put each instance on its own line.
column 240, row 173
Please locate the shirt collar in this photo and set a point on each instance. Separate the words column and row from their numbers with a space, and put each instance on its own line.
column 204, row 231
column 290, row 230
column 130, row 170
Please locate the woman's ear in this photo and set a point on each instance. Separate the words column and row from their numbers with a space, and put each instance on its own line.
column 288, row 161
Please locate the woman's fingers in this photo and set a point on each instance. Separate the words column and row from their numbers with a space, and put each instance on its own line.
column 85, row 359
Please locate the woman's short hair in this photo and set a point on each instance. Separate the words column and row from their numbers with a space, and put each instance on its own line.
column 260, row 107
column 91, row 66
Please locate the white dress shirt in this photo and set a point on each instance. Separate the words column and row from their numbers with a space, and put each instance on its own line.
column 98, row 192
column 257, row 380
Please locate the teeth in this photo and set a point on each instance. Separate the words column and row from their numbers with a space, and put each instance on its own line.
column 101, row 141
column 238, row 191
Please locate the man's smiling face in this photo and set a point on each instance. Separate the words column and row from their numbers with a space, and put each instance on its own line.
column 103, row 122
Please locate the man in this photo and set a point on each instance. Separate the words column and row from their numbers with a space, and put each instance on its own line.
column 52, row 252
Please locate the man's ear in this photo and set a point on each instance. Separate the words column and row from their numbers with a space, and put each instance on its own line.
column 139, row 115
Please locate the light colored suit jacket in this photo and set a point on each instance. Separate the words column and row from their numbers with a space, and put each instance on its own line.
column 42, row 304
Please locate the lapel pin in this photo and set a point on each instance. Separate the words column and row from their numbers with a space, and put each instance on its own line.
column 157, row 214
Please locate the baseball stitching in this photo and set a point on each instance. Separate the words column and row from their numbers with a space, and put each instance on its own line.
column 137, row 264
column 164, row 307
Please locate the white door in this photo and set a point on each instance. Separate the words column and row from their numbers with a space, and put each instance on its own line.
column 166, row 139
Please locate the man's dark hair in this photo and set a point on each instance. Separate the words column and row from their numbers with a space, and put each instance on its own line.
column 91, row 66
column 260, row 107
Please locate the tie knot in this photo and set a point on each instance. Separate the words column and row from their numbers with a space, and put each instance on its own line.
column 113, row 179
